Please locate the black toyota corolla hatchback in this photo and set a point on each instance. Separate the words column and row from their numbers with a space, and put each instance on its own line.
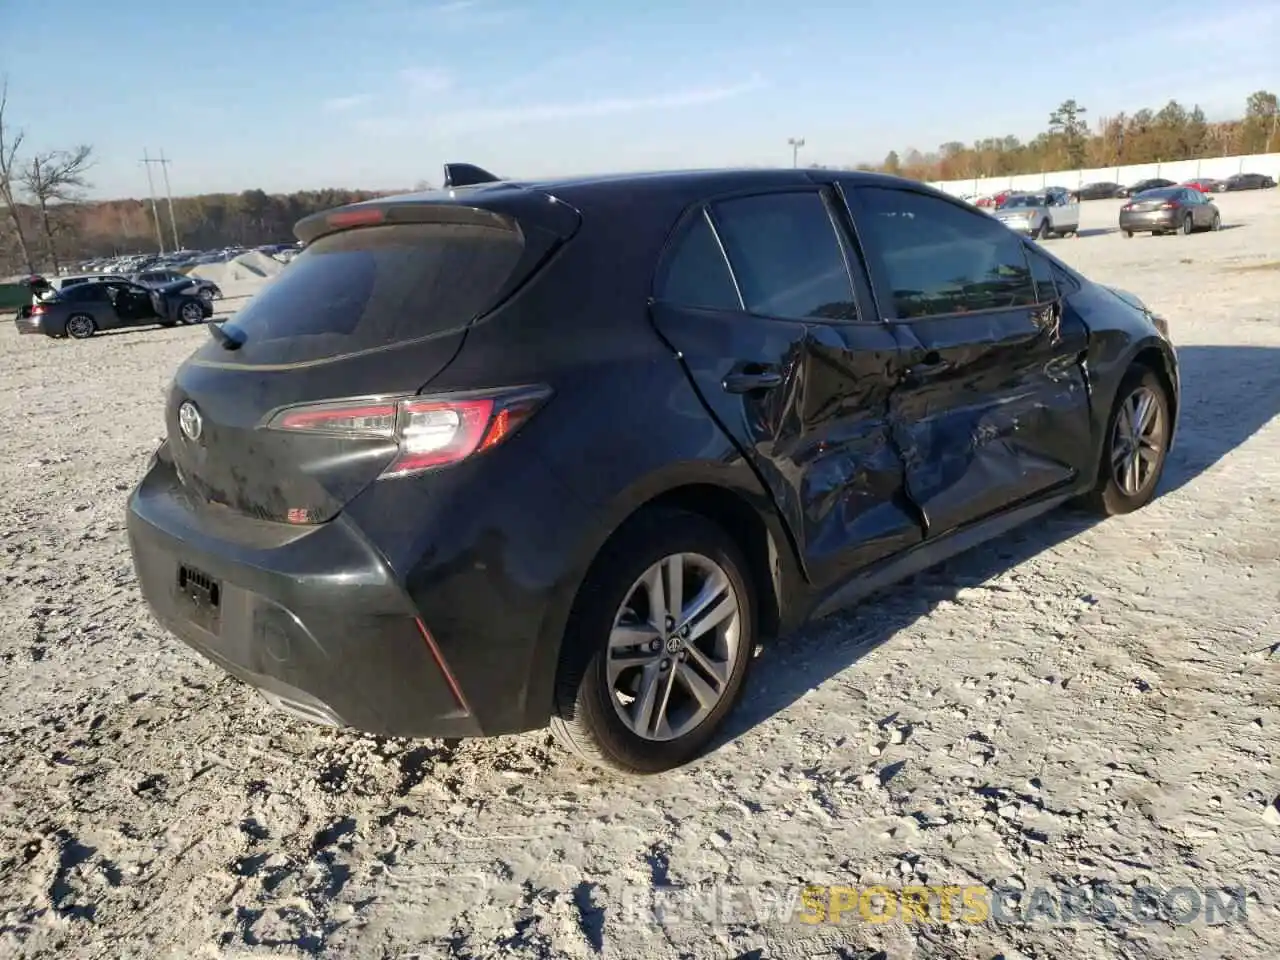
column 518, row 454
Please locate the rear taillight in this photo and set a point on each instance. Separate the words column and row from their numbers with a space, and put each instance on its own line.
column 430, row 431
column 1127, row 206
column 1170, row 205
column 39, row 309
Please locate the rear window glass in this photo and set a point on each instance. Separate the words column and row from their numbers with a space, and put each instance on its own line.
column 366, row 288
column 787, row 257
column 695, row 273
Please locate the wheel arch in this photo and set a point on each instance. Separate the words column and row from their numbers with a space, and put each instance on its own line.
column 752, row 523
column 1156, row 357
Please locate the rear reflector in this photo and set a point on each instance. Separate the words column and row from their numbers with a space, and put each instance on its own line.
column 430, row 431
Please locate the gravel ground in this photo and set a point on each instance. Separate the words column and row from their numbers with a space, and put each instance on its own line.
column 1074, row 705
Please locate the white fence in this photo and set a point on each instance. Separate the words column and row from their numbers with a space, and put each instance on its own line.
column 1176, row 170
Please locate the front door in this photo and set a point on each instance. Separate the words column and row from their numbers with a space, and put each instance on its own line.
column 757, row 295
column 993, row 408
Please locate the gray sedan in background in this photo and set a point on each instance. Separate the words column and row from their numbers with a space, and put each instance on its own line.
column 1169, row 209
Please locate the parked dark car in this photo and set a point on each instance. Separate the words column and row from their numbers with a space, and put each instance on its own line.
column 1142, row 186
column 1247, row 181
column 1169, row 210
column 1098, row 191
column 174, row 280
column 81, row 310
column 565, row 452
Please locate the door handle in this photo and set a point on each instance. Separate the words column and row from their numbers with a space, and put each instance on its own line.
column 752, row 376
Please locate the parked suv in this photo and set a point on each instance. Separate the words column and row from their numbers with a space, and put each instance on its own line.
column 565, row 452
column 1052, row 213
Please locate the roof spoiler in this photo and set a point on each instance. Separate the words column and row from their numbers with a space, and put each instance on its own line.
column 466, row 175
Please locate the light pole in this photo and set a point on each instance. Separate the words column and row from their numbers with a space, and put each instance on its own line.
column 796, row 144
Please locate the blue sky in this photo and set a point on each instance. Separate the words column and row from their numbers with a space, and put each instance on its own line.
column 289, row 94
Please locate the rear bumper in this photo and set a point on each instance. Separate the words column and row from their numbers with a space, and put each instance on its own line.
column 1155, row 220
column 27, row 324
column 311, row 616
column 429, row 607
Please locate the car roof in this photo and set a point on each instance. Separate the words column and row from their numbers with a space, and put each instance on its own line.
column 670, row 182
column 657, row 196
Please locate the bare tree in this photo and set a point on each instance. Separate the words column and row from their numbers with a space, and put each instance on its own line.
column 10, row 143
column 52, row 178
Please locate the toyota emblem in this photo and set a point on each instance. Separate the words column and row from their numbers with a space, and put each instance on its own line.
column 190, row 421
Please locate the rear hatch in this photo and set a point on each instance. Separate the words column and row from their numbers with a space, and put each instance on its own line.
column 376, row 306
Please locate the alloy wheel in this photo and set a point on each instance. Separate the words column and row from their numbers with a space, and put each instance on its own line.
column 80, row 327
column 673, row 647
column 1138, row 441
column 191, row 313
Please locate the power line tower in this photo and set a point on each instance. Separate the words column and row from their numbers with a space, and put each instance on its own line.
column 173, row 223
column 146, row 161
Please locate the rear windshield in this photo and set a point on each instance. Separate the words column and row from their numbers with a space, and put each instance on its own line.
column 1014, row 203
column 369, row 287
column 1159, row 193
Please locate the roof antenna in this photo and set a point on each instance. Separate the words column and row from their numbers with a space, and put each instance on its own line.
column 466, row 175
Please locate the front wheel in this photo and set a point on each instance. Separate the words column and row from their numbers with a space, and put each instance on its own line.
column 1188, row 225
column 1138, row 435
column 1217, row 222
column 658, row 644
column 191, row 312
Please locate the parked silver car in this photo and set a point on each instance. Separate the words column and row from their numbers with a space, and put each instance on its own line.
column 1040, row 215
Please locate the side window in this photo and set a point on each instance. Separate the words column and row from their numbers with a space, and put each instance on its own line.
column 694, row 272
column 787, row 257
column 939, row 257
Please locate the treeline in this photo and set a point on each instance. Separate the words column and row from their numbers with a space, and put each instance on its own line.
column 1070, row 142
column 205, row 222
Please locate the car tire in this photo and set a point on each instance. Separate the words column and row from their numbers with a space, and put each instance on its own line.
column 1216, row 225
column 1188, row 225
column 81, row 326
column 599, row 698
column 1114, row 493
column 1128, row 234
column 191, row 313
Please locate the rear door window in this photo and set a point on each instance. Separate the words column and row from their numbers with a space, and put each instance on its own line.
column 786, row 255
column 369, row 287
column 695, row 273
column 86, row 292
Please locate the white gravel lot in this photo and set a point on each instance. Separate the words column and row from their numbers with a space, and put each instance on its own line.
column 1073, row 705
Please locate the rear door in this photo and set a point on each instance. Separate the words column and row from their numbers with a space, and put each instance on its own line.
column 771, row 316
column 1201, row 210
column 94, row 298
column 992, row 409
